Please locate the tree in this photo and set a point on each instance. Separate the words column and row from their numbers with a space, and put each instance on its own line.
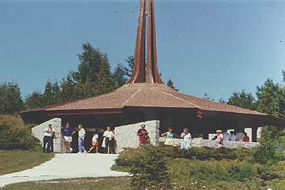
column 171, row 85
column 106, row 81
column 243, row 100
column 130, row 66
column 120, row 75
column 271, row 98
column 10, row 98
column 35, row 100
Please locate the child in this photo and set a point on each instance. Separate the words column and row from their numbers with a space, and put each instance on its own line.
column 169, row 137
column 95, row 142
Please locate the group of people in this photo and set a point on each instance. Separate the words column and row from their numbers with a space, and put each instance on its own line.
column 219, row 138
column 70, row 136
column 108, row 142
column 185, row 135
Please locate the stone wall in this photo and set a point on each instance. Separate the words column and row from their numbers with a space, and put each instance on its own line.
column 126, row 135
column 39, row 131
column 199, row 142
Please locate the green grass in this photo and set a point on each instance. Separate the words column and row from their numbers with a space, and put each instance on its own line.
column 18, row 160
column 116, row 183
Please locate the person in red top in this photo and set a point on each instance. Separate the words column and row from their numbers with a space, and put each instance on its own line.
column 143, row 135
column 245, row 138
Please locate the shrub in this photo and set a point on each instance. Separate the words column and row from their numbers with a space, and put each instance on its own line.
column 128, row 156
column 14, row 134
column 267, row 153
column 148, row 170
column 226, row 173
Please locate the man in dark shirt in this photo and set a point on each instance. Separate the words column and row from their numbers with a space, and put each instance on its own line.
column 67, row 135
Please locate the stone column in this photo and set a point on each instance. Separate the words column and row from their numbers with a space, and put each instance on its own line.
column 249, row 133
column 39, row 131
column 126, row 135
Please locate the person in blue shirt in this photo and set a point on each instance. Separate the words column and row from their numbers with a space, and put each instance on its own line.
column 67, row 136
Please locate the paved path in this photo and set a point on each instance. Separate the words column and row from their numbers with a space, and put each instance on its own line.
column 64, row 166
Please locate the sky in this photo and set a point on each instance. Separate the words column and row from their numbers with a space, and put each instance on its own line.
column 213, row 47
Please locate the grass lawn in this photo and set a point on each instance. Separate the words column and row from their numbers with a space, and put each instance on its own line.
column 116, row 183
column 18, row 160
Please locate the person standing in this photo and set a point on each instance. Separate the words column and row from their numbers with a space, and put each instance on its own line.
column 186, row 142
column 67, row 137
column 81, row 137
column 143, row 135
column 233, row 136
column 220, row 139
column 95, row 142
column 227, row 136
column 47, row 141
column 245, row 138
column 169, row 137
column 240, row 136
column 109, row 140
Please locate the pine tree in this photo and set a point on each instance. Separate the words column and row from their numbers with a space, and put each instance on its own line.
column 106, row 81
column 130, row 67
column 120, row 75
column 88, row 68
column 171, row 85
column 10, row 99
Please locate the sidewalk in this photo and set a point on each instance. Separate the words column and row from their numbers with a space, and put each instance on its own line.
column 65, row 166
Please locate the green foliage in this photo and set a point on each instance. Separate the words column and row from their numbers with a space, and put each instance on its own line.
column 126, row 158
column 130, row 67
column 211, row 171
column 14, row 134
column 120, row 75
column 205, row 168
column 171, row 85
column 267, row 154
column 149, row 171
column 243, row 99
column 10, row 99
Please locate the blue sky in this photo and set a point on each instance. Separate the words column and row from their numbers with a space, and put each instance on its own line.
column 213, row 47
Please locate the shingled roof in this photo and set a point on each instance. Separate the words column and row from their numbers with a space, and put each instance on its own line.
column 145, row 87
column 148, row 95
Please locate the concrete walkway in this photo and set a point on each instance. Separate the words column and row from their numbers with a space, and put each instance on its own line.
column 65, row 166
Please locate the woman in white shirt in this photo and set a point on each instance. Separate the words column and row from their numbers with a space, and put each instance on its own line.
column 109, row 141
column 186, row 142
column 81, row 136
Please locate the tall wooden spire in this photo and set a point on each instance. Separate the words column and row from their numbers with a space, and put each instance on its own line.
column 146, row 70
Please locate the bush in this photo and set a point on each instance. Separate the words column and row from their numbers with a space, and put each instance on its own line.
column 212, row 171
column 128, row 156
column 14, row 134
column 267, row 153
column 148, row 170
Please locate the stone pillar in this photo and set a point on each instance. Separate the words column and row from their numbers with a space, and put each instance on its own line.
column 39, row 131
column 254, row 134
column 126, row 135
column 259, row 132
